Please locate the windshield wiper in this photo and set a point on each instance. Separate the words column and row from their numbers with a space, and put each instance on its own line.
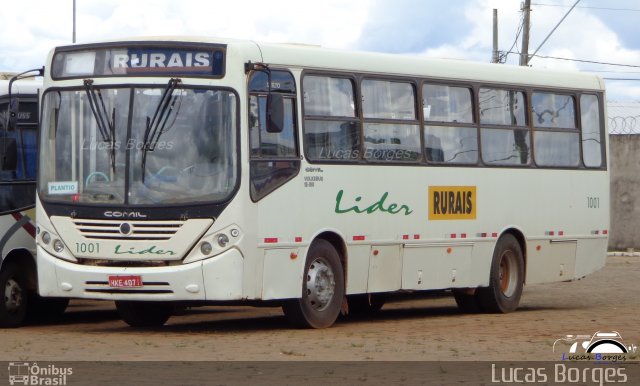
column 156, row 125
column 106, row 126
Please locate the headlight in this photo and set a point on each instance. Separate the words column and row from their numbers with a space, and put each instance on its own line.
column 223, row 240
column 58, row 246
column 206, row 248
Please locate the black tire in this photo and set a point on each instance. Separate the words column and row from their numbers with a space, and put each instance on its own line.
column 506, row 278
column 13, row 295
column 365, row 304
column 467, row 300
column 46, row 309
column 144, row 314
column 322, row 289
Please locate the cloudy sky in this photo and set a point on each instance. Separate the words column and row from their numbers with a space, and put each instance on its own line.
column 604, row 31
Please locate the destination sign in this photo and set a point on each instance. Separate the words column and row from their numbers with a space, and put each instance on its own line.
column 154, row 60
column 27, row 114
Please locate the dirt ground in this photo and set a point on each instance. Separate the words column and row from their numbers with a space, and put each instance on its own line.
column 424, row 329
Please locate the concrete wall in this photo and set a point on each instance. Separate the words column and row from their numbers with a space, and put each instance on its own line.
column 624, row 166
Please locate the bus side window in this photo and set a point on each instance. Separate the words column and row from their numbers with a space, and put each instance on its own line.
column 18, row 144
column 8, row 154
column 591, row 131
column 271, row 144
column 331, row 127
column 556, row 136
column 17, row 170
column 504, row 133
column 391, row 131
column 450, row 134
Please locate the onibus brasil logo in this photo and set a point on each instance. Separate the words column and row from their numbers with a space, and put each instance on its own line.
column 25, row 373
column 601, row 346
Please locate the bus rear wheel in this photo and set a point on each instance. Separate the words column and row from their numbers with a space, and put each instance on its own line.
column 322, row 289
column 144, row 314
column 506, row 279
column 13, row 295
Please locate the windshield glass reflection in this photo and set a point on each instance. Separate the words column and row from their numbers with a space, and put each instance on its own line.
column 161, row 147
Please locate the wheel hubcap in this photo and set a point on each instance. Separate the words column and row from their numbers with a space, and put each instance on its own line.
column 12, row 296
column 508, row 274
column 320, row 284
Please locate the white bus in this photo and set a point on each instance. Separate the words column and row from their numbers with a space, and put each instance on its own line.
column 18, row 160
column 183, row 170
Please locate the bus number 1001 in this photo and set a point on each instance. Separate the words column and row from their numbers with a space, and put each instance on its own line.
column 87, row 248
column 593, row 202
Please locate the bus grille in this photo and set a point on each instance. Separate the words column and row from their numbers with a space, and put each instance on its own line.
column 150, row 288
column 136, row 230
column 126, row 263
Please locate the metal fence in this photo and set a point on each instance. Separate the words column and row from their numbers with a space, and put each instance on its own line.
column 624, row 117
column 624, row 125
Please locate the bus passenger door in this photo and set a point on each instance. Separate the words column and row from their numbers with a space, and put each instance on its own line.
column 275, row 157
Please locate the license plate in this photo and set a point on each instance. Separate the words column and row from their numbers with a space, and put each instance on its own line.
column 130, row 281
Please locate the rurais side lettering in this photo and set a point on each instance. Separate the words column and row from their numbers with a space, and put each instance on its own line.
column 452, row 202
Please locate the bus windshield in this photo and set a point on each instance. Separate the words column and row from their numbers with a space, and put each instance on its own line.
column 138, row 145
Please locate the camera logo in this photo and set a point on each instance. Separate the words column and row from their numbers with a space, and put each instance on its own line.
column 598, row 343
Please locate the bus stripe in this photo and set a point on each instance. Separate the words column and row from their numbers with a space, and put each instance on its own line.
column 25, row 222
column 20, row 222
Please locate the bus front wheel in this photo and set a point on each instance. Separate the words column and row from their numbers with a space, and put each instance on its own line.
column 506, row 278
column 322, row 289
column 13, row 295
column 144, row 314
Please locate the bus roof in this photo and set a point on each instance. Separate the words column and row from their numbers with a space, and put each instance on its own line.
column 25, row 86
column 313, row 57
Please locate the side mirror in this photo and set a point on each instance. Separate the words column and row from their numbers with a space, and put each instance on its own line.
column 275, row 113
column 12, row 120
column 8, row 154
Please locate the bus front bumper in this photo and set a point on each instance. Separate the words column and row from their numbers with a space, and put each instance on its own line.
column 216, row 278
